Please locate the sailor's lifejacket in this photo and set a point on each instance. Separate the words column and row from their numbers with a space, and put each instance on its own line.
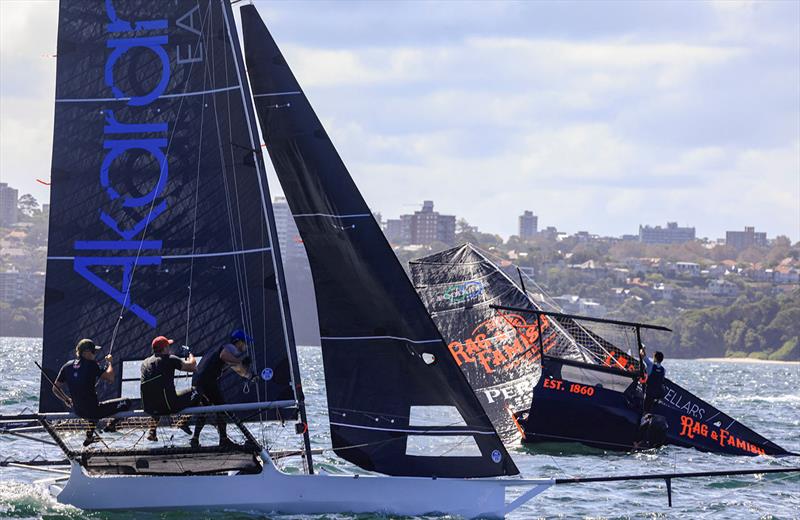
column 655, row 382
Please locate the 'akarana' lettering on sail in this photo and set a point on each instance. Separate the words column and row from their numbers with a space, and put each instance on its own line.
column 123, row 141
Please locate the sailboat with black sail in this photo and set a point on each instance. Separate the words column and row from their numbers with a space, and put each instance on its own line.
column 161, row 223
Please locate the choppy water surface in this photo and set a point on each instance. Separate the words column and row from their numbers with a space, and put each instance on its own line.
column 765, row 397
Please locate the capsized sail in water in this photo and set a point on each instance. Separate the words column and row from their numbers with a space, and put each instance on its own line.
column 585, row 388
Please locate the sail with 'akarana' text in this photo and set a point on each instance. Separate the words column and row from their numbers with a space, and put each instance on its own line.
column 160, row 222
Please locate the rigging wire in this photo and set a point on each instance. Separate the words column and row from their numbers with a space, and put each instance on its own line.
column 552, row 302
column 196, row 199
column 240, row 267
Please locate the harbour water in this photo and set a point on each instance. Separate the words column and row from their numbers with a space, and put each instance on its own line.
column 765, row 397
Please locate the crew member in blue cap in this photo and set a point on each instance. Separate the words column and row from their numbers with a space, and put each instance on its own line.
column 232, row 354
column 79, row 376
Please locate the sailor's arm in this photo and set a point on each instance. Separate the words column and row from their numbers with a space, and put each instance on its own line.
column 240, row 366
column 108, row 374
column 190, row 365
column 58, row 391
column 648, row 364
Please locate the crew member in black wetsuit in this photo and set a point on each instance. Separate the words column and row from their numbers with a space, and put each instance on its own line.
column 158, row 384
column 654, row 387
column 206, row 379
column 79, row 377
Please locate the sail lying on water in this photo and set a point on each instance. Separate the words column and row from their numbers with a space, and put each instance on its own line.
column 386, row 364
column 160, row 221
column 499, row 352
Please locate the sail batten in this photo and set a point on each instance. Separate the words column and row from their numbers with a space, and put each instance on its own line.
column 382, row 354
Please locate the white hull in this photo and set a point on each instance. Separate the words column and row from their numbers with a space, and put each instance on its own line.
column 276, row 492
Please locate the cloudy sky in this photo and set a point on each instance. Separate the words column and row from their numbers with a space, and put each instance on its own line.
column 596, row 116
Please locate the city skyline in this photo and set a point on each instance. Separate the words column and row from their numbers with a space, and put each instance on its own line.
column 649, row 114
column 282, row 212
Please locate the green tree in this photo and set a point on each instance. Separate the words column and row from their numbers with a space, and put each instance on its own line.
column 28, row 206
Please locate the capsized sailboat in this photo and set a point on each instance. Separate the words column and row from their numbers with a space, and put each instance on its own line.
column 161, row 223
column 549, row 377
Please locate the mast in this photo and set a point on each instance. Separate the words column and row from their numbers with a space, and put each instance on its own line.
column 277, row 263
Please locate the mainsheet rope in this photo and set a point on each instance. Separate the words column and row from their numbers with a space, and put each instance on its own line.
column 196, row 199
column 242, row 286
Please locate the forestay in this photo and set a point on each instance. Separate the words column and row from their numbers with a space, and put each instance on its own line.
column 386, row 364
column 160, row 221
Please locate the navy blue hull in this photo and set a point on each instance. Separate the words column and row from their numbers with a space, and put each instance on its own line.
column 602, row 408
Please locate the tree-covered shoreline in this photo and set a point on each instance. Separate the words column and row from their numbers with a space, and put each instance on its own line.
column 723, row 306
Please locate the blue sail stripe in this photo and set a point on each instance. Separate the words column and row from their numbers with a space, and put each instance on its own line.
column 270, row 94
column 196, row 255
column 165, row 96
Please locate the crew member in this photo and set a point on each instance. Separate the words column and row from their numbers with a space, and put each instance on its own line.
column 158, row 384
column 206, row 380
column 652, row 432
column 654, row 386
column 79, row 376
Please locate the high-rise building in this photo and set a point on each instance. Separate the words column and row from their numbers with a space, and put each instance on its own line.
column 743, row 239
column 423, row 227
column 288, row 235
column 428, row 226
column 16, row 286
column 528, row 225
column 8, row 204
column 672, row 234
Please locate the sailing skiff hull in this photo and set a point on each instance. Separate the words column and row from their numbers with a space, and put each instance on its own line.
column 276, row 492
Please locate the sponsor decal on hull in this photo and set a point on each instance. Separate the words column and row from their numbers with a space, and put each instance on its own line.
column 691, row 429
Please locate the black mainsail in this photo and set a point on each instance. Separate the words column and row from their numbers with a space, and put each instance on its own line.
column 160, row 220
column 384, row 358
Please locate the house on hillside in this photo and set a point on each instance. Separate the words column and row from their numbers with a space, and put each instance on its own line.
column 687, row 268
column 722, row 287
